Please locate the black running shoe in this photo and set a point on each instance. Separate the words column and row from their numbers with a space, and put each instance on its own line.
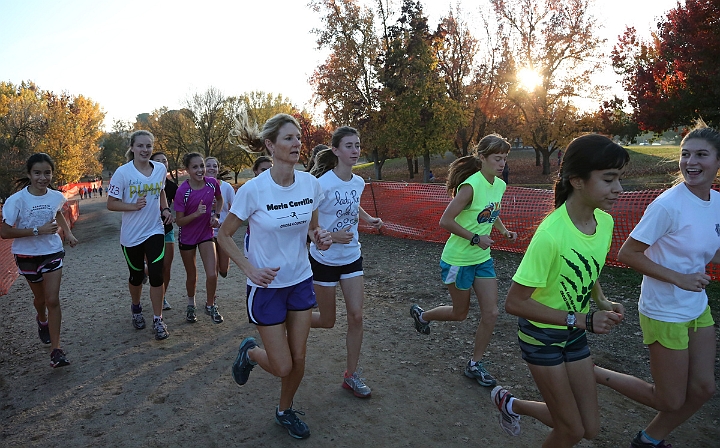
column 290, row 421
column 213, row 312
column 190, row 314
column 58, row 359
column 421, row 327
column 243, row 364
column 43, row 331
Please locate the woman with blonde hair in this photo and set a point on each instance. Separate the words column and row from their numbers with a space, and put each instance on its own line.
column 280, row 205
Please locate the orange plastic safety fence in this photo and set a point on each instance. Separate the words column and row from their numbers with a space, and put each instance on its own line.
column 413, row 211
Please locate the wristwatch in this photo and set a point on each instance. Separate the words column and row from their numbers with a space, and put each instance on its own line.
column 475, row 240
column 35, row 231
column 570, row 320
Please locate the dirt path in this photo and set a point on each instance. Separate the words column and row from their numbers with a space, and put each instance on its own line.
column 124, row 389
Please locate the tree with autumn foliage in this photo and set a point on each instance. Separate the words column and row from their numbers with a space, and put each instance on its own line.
column 258, row 107
column 114, row 145
column 421, row 118
column 22, row 124
column 554, row 39
column 67, row 127
column 347, row 82
column 208, row 112
column 672, row 79
column 311, row 135
column 474, row 70
column 175, row 135
column 72, row 136
column 615, row 121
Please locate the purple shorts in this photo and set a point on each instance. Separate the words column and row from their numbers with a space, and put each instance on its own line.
column 269, row 306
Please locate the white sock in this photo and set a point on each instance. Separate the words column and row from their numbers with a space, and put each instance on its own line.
column 508, row 407
column 191, row 300
column 421, row 318
column 157, row 318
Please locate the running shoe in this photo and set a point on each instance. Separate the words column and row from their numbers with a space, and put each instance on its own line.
column 638, row 443
column 166, row 305
column 508, row 422
column 138, row 321
column 212, row 311
column 190, row 314
column 58, row 359
column 356, row 385
column 160, row 329
column 415, row 313
column 243, row 364
column 479, row 373
column 290, row 421
column 43, row 331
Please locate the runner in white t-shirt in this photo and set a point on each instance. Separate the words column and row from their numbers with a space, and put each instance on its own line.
column 340, row 213
column 212, row 169
column 137, row 189
column 31, row 217
column 281, row 207
column 677, row 237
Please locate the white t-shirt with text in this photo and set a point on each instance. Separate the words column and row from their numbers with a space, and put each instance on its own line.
column 280, row 219
column 24, row 210
column 128, row 184
column 339, row 210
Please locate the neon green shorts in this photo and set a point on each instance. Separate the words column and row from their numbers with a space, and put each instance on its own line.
column 673, row 335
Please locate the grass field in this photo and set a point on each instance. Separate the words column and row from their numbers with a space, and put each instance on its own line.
column 650, row 167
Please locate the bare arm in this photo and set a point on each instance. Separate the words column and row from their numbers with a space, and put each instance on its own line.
column 375, row 222
column 117, row 205
column 632, row 253
column 165, row 213
column 321, row 237
column 62, row 222
column 8, row 232
column 520, row 303
column 214, row 220
column 500, row 227
column 182, row 219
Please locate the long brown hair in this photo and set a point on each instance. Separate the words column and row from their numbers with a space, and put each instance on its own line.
column 465, row 167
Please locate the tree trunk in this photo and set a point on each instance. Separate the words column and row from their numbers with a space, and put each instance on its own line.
column 410, row 167
column 416, row 165
column 236, row 175
column 377, row 164
column 546, row 163
column 538, row 155
column 426, row 166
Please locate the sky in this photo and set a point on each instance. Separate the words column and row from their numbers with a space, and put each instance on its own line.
column 135, row 56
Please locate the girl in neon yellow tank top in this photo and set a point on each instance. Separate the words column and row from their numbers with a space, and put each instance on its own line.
column 551, row 293
column 475, row 185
